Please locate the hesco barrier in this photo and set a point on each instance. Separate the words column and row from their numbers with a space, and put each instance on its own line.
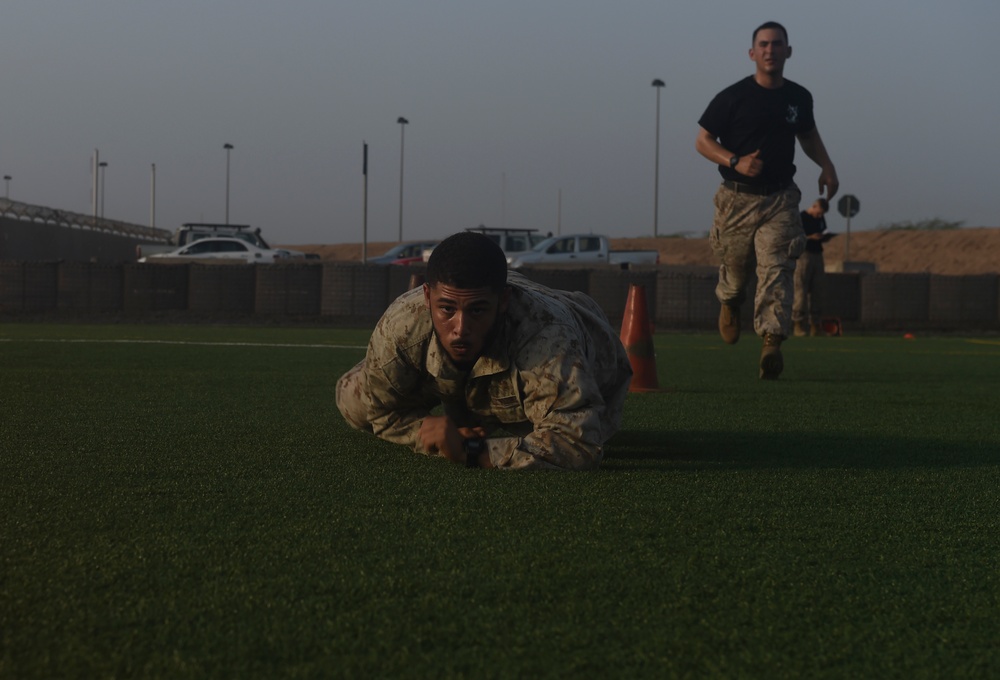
column 561, row 278
column 976, row 296
column 842, row 296
column 156, row 287
column 227, row 288
column 895, row 300
column 87, row 287
column 355, row 293
column 686, row 301
column 288, row 289
column 609, row 287
column 28, row 286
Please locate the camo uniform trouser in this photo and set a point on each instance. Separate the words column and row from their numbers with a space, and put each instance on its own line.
column 809, row 273
column 765, row 229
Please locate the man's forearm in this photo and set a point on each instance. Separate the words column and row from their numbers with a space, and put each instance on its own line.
column 710, row 148
column 812, row 145
column 544, row 450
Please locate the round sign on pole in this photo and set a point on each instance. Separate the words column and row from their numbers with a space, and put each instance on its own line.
column 848, row 205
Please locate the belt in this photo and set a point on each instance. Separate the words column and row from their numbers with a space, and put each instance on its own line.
column 756, row 189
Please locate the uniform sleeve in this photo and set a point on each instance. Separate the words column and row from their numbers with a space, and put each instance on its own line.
column 564, row 404
column 398, row 405
column 715, row 119
column 807, row 119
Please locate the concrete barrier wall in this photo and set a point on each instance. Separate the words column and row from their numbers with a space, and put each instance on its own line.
column 355, row 293
column 23, row 240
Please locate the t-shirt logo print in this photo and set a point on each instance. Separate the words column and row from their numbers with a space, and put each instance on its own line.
column 793, row 114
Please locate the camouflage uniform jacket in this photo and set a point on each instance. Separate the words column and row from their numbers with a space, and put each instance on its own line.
column 556, row 374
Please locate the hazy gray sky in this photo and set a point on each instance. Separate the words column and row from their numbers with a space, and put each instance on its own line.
column 510, row 105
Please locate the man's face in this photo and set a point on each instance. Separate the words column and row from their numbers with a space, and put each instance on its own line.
column 816, row 210
column 464, row 319
column 770, row 50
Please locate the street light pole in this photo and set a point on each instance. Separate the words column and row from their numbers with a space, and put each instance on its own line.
column 95, row 174
column 402, row 138
column 228, row 148
column 7, row 179
column 102, row 165
column 658, row 84
column 152, row 197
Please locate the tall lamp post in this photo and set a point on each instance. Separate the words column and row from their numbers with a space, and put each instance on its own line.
column 7, row 179
column 228, row 148
column 658, row 84
column 152, row 196
column 102, row 165
column 402, row 138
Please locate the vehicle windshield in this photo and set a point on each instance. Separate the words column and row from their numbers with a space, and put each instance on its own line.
column 543, row 245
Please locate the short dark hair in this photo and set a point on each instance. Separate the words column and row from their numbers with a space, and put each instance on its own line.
column 824, row 204
column 766, row 25
column 468, row 260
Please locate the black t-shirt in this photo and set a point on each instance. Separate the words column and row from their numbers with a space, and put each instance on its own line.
column 813, row 225
column 746, row 117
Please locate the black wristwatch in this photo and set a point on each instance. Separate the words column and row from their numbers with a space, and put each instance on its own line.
column 734, row 161
column 473, row 447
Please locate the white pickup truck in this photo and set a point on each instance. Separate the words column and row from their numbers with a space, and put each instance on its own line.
column 581, row 249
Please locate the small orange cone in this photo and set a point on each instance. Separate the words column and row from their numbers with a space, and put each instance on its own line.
column 831, row 325
column 637, row 336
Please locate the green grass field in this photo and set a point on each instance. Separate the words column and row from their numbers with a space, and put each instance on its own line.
column 182, row 501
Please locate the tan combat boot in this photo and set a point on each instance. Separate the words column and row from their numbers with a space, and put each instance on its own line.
column 729, row 323
column 800, row 329
column 771, row 363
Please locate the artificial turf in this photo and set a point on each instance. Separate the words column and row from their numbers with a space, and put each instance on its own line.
column 184, row 501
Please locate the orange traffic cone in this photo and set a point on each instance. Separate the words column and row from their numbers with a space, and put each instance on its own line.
column 637, row 337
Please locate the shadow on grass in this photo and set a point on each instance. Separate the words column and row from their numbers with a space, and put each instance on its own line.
column 669, row 451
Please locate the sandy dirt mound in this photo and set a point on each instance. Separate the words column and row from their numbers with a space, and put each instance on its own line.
column 952, row 252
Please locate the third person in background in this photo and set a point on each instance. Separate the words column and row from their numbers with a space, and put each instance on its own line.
column 809, row 272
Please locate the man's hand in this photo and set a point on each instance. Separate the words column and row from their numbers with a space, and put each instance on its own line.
column 751, row 165
column 438, row 434
column 828, row 180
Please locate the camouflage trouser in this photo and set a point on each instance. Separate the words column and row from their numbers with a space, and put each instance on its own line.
column 352, row 398
column 808, row 305
column 767, row 229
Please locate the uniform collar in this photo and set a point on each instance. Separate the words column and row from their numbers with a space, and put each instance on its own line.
column 493, row 360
